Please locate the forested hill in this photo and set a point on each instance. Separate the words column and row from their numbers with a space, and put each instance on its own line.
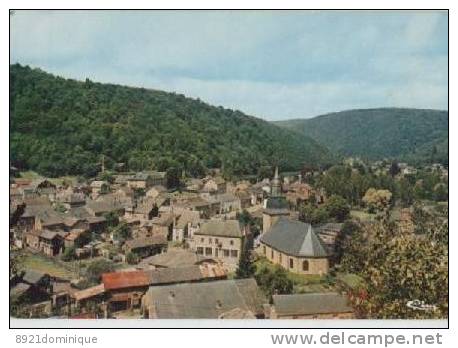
column 416, row 135
column 60, row 126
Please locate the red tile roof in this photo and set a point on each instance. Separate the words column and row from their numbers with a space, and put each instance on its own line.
column 120, row 280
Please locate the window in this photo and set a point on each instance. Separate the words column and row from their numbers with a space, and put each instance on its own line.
column 291, row 263
column 234, row 253
column 208, row 251
column 216, row 240
column 272, row 254
column 279, row 257
column 226, row 252
column 202, row 240
column 264, row 250
column 200, row 250
column 210, row 240
column 232, row 242
column 305, row 265
column 216, row 252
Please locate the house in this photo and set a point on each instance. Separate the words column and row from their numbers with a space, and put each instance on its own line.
column 148, row 246
column 125, row 289
column 229, row 203
column 31, row 286
column 102, row 207
column 215, row 185
column 295, row 246
column 146, row 210
column 207, row 300
column 52, row 243
column 82, row 298
column 71, row 200
column 99, row 187
column 187, row 224
column 275, row 206
column 222, row 240
column 147, row 180
column 327, row 305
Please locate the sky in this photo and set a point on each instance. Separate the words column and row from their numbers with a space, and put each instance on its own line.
column 273, row 65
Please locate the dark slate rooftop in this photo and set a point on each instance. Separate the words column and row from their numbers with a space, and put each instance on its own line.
column 206, row 300
column 314, row 303
column 294, row 238
column 226, row 228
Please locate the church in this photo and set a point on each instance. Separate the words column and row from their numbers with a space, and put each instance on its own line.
column 292, row 244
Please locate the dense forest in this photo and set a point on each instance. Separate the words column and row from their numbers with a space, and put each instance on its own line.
column 414, row 135
column 60, row 126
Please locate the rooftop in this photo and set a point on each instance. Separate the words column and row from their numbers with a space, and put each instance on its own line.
column 294, row 238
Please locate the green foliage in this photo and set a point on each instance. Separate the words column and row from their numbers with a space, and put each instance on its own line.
column 397, row 267
column 334, row 209
column 131, row 258
column 122, row 232
column 337, row 208
column 273, row 279
column 408, row 134
column 96, row 268
column 112, row 219
column 69, row 254
column 313, row 214
column 61, row 126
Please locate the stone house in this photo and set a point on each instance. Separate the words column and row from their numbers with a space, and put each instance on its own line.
column 148, row 246
column 187, row 224
column 207, row 300
column 295, row 246
column 221, row 240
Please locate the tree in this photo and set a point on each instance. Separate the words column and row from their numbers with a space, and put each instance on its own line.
column 96, row 268
column 112, row 219
column 394, row 169
column 337, row 208
column 69, row 254
column 398, row 267
column 312, row 214
column 377, row 200
column 273, row 279
column 122, row 232
column 440, row 192
column 131, row 258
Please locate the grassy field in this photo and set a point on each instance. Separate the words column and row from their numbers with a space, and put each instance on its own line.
column 304, row 283
column 43, row 264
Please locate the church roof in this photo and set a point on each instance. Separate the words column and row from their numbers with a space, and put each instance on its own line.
column 294, row 238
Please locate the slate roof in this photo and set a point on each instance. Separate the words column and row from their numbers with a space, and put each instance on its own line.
column 314, row 303
column 207, row 300
column 32, row 277
column 276, row 205
column 294, row 238
column 176, row 275
column 174, row 258
column 187, row 216
column 146, row 242
column 226, row 228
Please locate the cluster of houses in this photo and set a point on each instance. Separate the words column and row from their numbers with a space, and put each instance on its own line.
column 187, row 245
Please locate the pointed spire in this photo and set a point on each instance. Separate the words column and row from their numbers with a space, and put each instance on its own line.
column 276, row 173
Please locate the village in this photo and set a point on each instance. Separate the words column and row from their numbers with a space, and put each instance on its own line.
column 129, row 247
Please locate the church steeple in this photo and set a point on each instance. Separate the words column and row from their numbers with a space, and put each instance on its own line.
column 276, row 185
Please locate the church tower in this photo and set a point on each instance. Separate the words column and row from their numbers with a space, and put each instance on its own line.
column 275, row 206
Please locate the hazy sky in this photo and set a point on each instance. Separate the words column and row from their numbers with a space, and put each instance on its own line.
column 275, row 65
